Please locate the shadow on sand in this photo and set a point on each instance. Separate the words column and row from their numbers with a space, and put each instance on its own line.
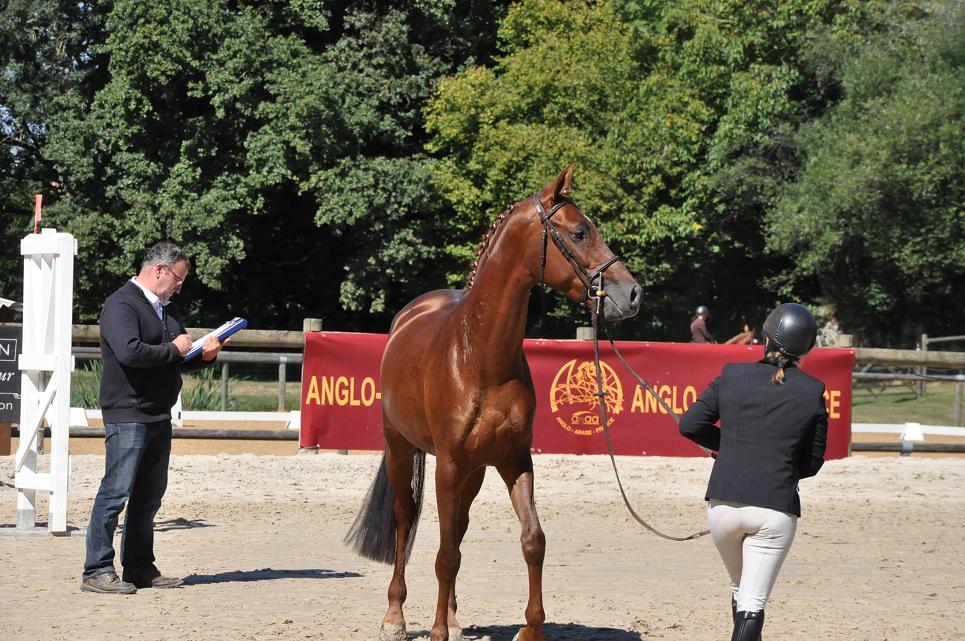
column 266, row 574
column 554, row 631
column 180, row 524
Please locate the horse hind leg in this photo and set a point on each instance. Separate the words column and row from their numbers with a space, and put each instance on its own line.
column 519, row 480
column 406, row 471
column 385, row 527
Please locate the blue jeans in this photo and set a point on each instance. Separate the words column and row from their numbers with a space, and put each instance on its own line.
column 136, row 473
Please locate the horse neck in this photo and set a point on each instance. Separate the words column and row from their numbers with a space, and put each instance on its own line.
column 494, row 310
column 744, row 338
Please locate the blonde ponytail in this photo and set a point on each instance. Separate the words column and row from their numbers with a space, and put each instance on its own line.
column 782, row 361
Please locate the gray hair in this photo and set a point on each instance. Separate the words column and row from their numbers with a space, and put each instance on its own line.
column 167, row 253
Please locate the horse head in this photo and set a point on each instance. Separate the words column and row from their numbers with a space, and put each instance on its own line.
column 575, row 260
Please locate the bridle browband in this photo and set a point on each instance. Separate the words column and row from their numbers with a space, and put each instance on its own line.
column 593, row 288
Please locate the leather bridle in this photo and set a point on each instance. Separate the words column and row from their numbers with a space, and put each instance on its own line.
column 593, row 287
column 601, row 393
column 592, row 281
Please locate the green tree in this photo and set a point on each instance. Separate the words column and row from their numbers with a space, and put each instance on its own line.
column 280, row 143
column 745, row 69
column 46, row 67
column 334, row 159
column 876, row 216
column 680, row 118
column 562, row 92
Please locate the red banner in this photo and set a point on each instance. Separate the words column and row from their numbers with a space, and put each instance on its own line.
column 341, row 393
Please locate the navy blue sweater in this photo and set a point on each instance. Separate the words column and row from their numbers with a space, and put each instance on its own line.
column 142, row 366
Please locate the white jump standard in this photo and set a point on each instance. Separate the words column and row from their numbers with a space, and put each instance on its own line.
column 46, row 364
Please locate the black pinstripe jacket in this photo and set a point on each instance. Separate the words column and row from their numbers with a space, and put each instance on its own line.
column 770, row 435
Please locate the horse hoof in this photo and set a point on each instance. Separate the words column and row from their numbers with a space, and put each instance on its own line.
column 522, row 635
column 455, row 634
column 392, row 632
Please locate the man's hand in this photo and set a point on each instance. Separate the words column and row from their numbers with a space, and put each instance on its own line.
column 211, row 347
column 183, row 343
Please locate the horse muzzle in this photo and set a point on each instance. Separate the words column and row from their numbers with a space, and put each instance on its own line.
column 621, row 301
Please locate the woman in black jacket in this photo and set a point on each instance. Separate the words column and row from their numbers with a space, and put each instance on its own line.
column 773, row 431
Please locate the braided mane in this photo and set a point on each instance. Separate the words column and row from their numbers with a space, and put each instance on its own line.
column 484, row 245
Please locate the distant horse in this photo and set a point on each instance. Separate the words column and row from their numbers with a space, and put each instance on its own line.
column 747, row 336
column 455, row 384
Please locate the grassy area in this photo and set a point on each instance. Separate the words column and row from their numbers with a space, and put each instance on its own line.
column 200, row 391
column 243, row 395
column 265, row 402
column 896, row 403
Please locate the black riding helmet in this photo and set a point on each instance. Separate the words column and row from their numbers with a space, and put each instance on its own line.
column 790, row 329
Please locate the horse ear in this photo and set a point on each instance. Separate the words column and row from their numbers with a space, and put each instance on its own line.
column 562, row 185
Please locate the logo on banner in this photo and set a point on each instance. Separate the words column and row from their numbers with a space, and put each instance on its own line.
column 573, row 399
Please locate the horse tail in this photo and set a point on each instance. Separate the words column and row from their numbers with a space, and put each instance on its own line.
column 373, row 534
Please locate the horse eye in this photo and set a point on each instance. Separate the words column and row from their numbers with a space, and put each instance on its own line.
column 579, row 235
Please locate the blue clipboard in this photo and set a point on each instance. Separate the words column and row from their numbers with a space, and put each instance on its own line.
column 236, row 324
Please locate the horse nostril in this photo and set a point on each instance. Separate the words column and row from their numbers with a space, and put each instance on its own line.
column 636, row 294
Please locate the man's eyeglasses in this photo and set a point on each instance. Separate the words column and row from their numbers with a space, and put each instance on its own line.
column 179, row 279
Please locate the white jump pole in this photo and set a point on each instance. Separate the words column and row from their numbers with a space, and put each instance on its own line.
column 46, row 364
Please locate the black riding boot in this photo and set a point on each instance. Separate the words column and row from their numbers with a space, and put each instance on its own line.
column 733, row 609
column 748, row 626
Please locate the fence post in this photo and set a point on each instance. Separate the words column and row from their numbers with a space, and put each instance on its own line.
column 920, row 389
column 282, row 362
column 584, row 333
column 959, row 381
column 224, row 387
column 308, row 325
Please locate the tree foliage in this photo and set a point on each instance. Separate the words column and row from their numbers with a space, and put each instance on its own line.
column 334, row 159
column 655, row 103
column 269, row 140
column 47, row 68
column 877, row 214
column 686, row 121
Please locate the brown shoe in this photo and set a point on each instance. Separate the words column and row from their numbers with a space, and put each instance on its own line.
column 107, row 583
column 150, row 577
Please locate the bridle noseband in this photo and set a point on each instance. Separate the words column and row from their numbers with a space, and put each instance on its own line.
column 592, row 281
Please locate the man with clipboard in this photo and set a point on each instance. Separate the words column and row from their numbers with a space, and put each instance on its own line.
column 143, row 343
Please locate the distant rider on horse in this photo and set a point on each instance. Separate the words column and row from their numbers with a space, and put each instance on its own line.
column 698, row 326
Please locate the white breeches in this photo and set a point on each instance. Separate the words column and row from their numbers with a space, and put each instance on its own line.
column 753, row 543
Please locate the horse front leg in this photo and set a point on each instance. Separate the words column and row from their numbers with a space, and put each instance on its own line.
column 519, row 481
column 470, row 490
column 448, row 558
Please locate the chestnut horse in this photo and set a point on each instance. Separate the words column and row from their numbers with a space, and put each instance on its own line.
column 748, row 336
column 455, row 384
